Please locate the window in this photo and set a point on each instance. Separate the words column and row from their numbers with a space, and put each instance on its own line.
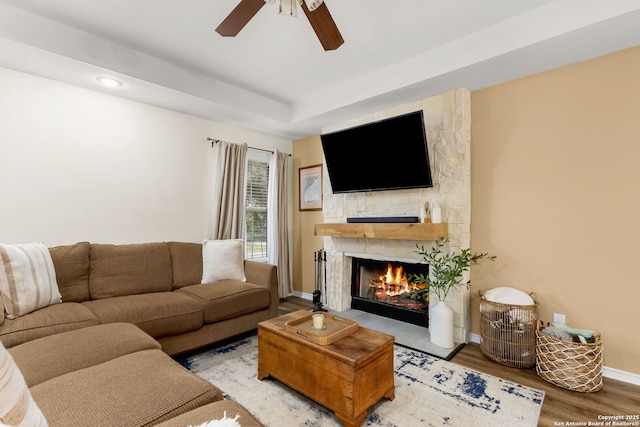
column 256, row 205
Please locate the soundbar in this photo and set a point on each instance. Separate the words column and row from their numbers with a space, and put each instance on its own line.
column 383, row 219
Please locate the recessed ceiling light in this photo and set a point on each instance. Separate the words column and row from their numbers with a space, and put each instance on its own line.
column 109, row 82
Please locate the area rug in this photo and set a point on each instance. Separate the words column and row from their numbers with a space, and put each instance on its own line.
column 429, row 392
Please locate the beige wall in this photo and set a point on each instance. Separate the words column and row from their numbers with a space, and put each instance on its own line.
column 306, row 152
column 555, row 195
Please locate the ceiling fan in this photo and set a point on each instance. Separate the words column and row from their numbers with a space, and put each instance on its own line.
column 316, row 11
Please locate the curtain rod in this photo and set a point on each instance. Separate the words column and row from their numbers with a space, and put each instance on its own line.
column 214, row 141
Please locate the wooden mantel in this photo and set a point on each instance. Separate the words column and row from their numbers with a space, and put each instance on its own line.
column 400, row 231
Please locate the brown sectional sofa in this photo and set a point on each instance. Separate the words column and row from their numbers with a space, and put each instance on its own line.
column 155, row 286
column 117, row 375
column 87, row 364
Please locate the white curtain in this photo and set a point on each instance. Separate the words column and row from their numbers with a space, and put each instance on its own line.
column 227, row 217
column 278, row 220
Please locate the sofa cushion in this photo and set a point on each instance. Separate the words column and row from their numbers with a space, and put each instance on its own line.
column 72, row 271
column 228, row 298
column 117, row 270
column 158, row 314
column 138, row 389
column 214, row 411
column 17, row 408
column 223, row 260
column 186, row 262
column 55, row 355
column 50, row 320
column 27, row 278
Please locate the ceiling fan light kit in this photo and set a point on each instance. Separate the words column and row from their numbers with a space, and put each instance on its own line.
column 312, row 4
column 315, row 10
column 288, row 7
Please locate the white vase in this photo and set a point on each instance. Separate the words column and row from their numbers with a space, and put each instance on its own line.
column 441, row 325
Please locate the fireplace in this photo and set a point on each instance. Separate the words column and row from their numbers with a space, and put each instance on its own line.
column 447, row 120
column 383, row 288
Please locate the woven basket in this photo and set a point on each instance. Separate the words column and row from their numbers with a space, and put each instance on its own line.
column 508, row 333
column 574, row 366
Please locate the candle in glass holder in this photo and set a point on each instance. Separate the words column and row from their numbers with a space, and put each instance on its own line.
column 318, row 321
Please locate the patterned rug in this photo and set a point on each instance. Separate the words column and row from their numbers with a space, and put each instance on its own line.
column 429, row 392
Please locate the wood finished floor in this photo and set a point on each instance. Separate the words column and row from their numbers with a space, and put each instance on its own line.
column 560, row 406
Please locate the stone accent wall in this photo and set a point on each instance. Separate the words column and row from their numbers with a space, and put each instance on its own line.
column 448, row 127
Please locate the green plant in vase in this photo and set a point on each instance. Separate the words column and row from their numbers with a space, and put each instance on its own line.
column 446, row 271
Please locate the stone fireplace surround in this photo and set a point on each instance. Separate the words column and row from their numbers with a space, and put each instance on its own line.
column 448, row 127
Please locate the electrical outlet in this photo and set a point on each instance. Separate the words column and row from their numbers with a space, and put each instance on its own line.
column 558, row 318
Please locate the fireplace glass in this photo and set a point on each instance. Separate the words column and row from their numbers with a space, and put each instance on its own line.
column 383, row 288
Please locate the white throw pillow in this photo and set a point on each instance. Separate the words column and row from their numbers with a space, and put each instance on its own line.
column 223, row 422
column 17, row 407
column 27, row 278
column 223, row 260
column 506, row 295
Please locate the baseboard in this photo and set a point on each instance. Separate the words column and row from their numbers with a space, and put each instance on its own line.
column 303, row 295
column 474, row 338
column 607, row 372
column 624, row 376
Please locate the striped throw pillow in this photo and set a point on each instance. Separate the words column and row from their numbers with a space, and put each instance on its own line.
column 17, row 407
column 27, row 278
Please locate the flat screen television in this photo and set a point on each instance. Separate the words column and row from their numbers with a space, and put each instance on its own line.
column 388, row 154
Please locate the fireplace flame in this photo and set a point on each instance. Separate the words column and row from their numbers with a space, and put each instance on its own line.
column 392, row 283
column 395, row 276
column 392, row 286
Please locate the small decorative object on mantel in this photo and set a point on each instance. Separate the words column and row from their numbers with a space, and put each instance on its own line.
column 569, row 358
column 446, row 271
column 436, row 212
column 425, row 216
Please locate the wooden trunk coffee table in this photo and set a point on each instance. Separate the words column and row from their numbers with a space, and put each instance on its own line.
column 348, row 376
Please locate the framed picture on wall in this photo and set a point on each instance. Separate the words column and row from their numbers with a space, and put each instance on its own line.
column 310, row 185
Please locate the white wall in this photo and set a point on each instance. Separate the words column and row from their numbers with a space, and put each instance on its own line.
column 80, row 165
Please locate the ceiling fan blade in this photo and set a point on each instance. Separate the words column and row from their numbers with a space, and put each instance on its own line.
column 239, row 17
column 324, row 26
